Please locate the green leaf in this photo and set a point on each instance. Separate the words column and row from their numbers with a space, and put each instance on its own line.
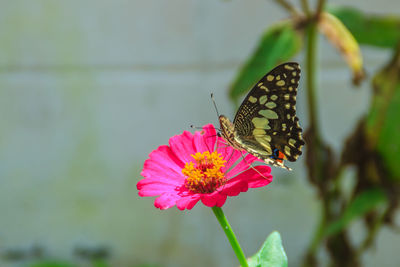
column 389, row 141
column 52, row 264
column 271, row 253
column 383, row 121
column 362, row 204
column 381, row 31
column 279, row 44
column 99, row 263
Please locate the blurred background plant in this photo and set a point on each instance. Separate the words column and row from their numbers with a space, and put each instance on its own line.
column 372, row 149
column 89, row 88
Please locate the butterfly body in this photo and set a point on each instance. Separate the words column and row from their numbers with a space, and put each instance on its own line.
column 266, row 124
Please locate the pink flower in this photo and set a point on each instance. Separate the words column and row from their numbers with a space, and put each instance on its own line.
column 198, row 167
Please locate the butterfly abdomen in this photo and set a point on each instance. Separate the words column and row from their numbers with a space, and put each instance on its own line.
column 228, row 132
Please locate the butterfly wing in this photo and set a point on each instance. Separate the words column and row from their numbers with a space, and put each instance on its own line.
column 266, row 123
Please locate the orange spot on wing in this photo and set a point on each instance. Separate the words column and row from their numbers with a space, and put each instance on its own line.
column 281, row 157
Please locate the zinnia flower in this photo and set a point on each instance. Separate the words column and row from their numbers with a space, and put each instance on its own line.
column 198, row 167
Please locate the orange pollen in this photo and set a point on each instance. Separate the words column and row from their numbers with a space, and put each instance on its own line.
column 204, row 175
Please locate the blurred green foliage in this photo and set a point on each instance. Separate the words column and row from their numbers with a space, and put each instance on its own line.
column 383, row 121
column 381, row 31
column 278, row 44
column 373, row 148
column 52, row 264
column 362, row 204
column 96, row 263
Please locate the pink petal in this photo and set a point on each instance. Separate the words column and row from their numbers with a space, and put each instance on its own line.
column 242, row 165
column 232, row 156
column 234, row 188
column 187, row 202
column 149, row 188
column 182, row 146
column 163, row 172
column 221, row 200
column 209, row 200
column 166, row 201
column 158, row 171
column 256, row 180
column 228, row 153
column 213, row 199
column 205, row 140
column 253, row 174
column 247, row 179
column 166, row 158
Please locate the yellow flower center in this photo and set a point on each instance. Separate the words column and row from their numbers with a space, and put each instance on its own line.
column 204, row 175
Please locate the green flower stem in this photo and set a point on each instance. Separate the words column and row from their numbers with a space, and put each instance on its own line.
column 230, row 235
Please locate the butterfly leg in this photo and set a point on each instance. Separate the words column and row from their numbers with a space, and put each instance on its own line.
column 244, row 159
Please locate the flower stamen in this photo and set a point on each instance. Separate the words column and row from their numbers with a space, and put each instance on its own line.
column 204, row 175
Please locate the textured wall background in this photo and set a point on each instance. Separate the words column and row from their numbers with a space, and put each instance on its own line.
column 89, row 88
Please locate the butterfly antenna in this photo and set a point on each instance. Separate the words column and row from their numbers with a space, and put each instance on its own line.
column 196, row 127
column 215, row 105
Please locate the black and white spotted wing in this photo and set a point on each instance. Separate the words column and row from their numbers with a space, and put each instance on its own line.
column 266, row 124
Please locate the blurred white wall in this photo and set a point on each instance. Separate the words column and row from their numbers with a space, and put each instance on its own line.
column 89, row 88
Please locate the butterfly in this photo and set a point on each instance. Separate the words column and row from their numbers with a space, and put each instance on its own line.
column 266, row 124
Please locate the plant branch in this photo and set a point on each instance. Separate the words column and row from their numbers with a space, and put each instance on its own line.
column 288, row 6
column 315, row 146
column 306, row 7
column 310, row 75
column 320, row 7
